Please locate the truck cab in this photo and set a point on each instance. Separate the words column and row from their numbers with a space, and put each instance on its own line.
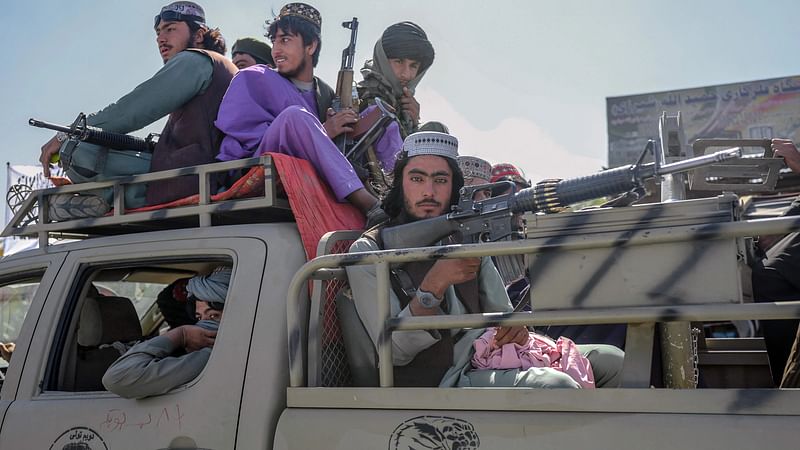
column 87, row 296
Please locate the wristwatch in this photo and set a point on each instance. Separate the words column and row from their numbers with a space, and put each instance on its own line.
column 61, row 136
column 427, row 299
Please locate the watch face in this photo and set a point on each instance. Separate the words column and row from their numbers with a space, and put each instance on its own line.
column 427, row 299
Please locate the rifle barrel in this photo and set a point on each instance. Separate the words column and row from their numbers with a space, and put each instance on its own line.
column 50, row 126
column 97, row 136
column 550, row 195
column 693, row 163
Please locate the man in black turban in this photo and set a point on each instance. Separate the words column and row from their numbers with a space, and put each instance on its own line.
column 401, row 58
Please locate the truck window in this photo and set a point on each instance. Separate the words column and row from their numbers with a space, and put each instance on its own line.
column 110, row 310
column 15, row 300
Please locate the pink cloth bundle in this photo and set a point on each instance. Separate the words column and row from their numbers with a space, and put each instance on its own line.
column 540, row 351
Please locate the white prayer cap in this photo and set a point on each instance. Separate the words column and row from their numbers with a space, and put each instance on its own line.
column 431, row 143
column 475, row 168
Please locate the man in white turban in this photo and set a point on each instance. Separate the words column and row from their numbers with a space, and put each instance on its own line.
column 158, row 365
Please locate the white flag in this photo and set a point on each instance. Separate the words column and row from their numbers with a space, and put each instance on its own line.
column 22, row 181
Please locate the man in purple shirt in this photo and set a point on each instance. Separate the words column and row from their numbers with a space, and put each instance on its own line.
column 288, row 110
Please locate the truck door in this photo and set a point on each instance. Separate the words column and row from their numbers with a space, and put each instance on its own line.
column 61, row 402
column 24, row 285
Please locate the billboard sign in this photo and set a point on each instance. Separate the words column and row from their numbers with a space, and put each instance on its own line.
column 751, row 110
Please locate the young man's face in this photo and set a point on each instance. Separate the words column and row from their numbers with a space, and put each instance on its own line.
column 483, row 194
column 292, row 58
column 242, row 60
column 404, row 69
column 175, row 37
column 204, row 312
column 427, row 185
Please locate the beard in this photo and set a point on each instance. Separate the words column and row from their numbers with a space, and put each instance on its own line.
column 408, row 216
column 293, row 73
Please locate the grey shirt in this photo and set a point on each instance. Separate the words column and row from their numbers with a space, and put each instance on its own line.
column 183, row 77
column 149, row 368
column 407, row 344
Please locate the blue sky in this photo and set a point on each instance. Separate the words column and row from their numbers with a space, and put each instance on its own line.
column 517, row 81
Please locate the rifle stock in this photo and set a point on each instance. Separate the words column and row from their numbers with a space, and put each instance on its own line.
column 412, row 235
column 370, row 128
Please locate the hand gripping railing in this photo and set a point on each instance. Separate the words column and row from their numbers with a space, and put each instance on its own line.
column 325, row 266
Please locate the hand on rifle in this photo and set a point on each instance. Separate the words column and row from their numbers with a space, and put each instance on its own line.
column 410, row 105
column 786, row 149
column 340, row 122
column 49, row 149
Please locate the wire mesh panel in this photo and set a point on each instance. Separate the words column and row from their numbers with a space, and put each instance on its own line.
column 335, row 370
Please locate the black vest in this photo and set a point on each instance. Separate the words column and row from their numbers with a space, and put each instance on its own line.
column 190, row 138
column 430, row 365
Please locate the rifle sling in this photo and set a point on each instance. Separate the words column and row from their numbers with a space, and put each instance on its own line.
column 102, row 158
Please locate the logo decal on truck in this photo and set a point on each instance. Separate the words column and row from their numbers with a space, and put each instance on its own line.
column 79, row 438
column 434, row 432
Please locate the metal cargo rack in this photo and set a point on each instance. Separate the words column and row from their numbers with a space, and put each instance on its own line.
column 31, row 216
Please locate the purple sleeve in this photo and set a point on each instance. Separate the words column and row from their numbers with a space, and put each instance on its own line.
column 254, row 98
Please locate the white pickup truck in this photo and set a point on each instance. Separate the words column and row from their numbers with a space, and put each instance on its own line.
column 278, row 376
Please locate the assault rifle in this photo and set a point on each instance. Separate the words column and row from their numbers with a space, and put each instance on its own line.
column 344, row 81
column 369, row 128
column 495, row 218
column 79, row 130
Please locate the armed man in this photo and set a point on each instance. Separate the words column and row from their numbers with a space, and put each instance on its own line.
column 189, row 88
column 426, row 185
column 288, row 110
column 400, row 59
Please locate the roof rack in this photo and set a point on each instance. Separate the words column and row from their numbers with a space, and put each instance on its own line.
column 31, row 216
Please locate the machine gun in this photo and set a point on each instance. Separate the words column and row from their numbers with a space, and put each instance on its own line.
column 495, row 218
column 79, row 130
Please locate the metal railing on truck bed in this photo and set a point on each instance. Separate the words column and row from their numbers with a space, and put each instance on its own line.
column 31, row 216
column 641, row 320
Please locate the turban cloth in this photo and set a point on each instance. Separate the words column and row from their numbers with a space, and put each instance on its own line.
column 408, row 40
column 212, row 287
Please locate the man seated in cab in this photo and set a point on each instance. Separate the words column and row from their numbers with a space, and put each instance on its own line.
column 158, row 365
column 189, row 88
column 287, row 110
column 400, row 59
column 426, row 184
